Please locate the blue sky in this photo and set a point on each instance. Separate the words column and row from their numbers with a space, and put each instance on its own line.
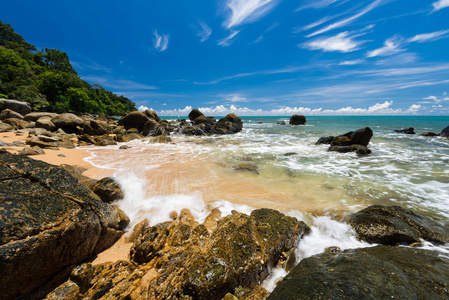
column 253, row 57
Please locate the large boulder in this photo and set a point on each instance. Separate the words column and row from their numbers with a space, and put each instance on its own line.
column 195, row 113
column 445, row 132
column 229, row 124
column 34, row 116
column 45, row 123
column 5, row 127
column 358, row 137
column 22, row 108
column 48, row 222
column 152, row 115
column 390, row 225
column 152, row 128
column 10, row 114
column 381, row 272
column 297, row 120
column 67, row 121
column 96, row 127
column 17, row 123
column 182, row 259
column 135, row 119
column 108, row 189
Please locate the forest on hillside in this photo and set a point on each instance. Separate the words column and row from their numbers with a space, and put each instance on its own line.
column 48, row 81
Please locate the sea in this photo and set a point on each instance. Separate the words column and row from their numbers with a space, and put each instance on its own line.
column 269, row 165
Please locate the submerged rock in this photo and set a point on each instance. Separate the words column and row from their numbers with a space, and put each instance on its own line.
column 381, row 272
column 410, row 130
column 391, row 225
column 429, row 134
column 48, row 222
column 353, row 141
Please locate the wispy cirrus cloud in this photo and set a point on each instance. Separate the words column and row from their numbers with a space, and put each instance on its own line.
column 440, row 4
column 160, row 42
column 391, row 46
column 118, row 83
column 349, row 20
column 227, row 41
column 316, row 4
column 351, row 62
column 247, row 11
column 429, row 37
column 342, row 42
column 205, row 31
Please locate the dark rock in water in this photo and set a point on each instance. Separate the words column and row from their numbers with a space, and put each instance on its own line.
column 195, row 113
column 207, row 121
column 246, row 167
column 297, row 120
column 281, row 123
column 359, row 137
column 390, row 225
column 152, row 115
column 325, row 140
column 108, row 190
column 359, row 149
column 410, row 130
column 10, row 114
column 48, row 222
column 22, row 108
column 229, row 124
column 152, row 128
column 429, row 134
column 134, row 119
column 445, row 132
column 381, row 272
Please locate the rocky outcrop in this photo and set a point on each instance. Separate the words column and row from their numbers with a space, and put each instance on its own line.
column 410, row 130
column 34, row 116
column 353, row 141
column 391, row 225
column 297, row 120
column 135, row 119
column 68, row 122
column 108, row 189
column 195, row 113
column 429, row 133
column 229, row 124
column 10, row 114
column 45, row 123
column 381, row 272
column 182, row 259
column 22, row 108
column 445, row 132
column 48, row 222
column 96, row 127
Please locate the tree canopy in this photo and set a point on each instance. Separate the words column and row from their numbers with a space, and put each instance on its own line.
column 48, row 81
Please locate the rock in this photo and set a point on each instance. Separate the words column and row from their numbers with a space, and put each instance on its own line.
column 195, row 113
column 152, row 115
column 45, row 123
column 16, row 123
column 381, row 272
column 105, row 140
column 239, row 253
column 87, row 138
column 95, row 127
column 68, row 121
column 128, row 137
column 152, row 128
column 297, row 120
column 229, row 124
column 410, row 130
column 29, row 151
column 22, row 108
column 5, row 127
column 207, row 121
column 359, row 149
column 160, row 139
column 35, row 141
column 108, row 190
column 429, row 134
column 391, row 225
column 359, row 137
column 34, row 116
column 325, row 140
column 134, row 119
column 49, row 222
column 10, row 114
column 124, row 147
column 445, row 132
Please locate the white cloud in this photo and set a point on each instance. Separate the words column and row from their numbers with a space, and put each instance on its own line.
column 205, row 31
column 391, row 46
column 435, row 99
column 316, row 4
column 221, row 110
column 347, row 20
column 342, row 42
column 235, row 98
column 351, row 62
column 440, row 4
column 143, row 108
column 246, row 11
column 428, row 37
column 227, row 41
column 160, row 42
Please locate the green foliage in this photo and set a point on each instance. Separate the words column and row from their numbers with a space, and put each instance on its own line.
column 48, row 81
